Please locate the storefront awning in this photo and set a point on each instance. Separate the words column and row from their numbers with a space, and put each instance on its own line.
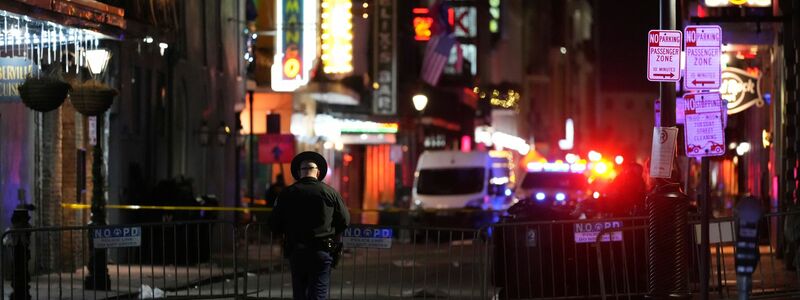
column 83, row 14
column 329, row 92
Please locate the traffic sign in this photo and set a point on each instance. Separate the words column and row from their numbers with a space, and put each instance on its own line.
column 705, row 135
column 275, row 148
column 703, row 50
column 662, row 152
column 664, row 55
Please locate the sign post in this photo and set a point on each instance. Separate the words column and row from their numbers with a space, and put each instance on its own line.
column 703, row 68
column 705, row 136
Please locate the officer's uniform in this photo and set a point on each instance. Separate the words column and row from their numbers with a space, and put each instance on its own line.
column 309, row 214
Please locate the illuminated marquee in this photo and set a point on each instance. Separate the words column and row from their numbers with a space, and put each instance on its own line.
column 337, row 36
column 295, row 44
column 751, row 3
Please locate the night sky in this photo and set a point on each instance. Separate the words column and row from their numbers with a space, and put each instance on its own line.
column 623, row 26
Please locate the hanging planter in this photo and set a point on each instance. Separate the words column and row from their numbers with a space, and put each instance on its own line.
column 92, row 97
column 43, row 94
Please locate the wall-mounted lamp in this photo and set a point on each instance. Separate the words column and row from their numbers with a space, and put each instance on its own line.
column 223, row 131
column 420, row 101
column 98, row 60
column 204, row 134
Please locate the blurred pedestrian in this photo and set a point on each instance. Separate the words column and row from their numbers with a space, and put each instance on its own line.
column 275, row 189
column 628, row 191
column 310, row 215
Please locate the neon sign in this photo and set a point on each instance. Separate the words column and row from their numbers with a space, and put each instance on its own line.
column 295, row 44
column 422, row 24
column 337, row 36
column 740, row 89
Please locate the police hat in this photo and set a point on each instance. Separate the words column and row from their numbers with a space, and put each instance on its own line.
column 315, row 157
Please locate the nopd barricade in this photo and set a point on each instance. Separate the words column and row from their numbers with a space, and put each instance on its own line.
column 201, row 263
column 380, row 262
column 560, row 259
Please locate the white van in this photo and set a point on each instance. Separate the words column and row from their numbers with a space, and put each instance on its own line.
column 454, row 179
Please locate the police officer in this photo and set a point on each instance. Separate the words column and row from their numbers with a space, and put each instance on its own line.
column 310, row 214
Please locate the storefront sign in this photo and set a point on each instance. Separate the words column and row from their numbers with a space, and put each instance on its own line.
column 295, row 44
column 13, row 72
column 705, row 135
column 740, row 89
column 385, row 56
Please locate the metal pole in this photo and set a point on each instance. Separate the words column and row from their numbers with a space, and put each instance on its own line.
column 251, row 183
column 705, row 212
column 98, row 278
column 667, row 89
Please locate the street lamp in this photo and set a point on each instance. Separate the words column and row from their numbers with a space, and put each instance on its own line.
column 420, row 101
column 97, row 59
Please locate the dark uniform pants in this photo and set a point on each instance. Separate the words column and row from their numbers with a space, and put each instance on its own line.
column 311, row 274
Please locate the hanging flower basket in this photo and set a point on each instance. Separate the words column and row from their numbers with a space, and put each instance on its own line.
column 92, row 98
column 43, row 94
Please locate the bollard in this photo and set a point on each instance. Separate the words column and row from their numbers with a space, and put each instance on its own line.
column 667, row 250
column 21, row 250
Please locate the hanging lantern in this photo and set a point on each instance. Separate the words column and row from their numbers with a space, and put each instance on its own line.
column 92, row 97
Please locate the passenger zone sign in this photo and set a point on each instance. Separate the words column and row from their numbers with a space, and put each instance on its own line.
column 664, row 55
column 703, row 68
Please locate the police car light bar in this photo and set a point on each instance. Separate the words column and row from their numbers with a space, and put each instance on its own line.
column 557, row 166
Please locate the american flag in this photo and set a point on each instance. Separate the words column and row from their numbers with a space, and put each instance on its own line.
column 436, row 54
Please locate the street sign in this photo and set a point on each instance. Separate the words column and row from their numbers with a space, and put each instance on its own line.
column 679, row 116
column 117, row 237
column 587, row 232
column 704, row 132
column 360, row 237
column 663, row 151
column 657, row 111
column 703, row 50
column 275, row 148
column 92, row 131
column 664, row 55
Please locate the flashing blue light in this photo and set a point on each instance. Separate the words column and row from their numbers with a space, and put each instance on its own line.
column 539, row 196
column 768, row 98
column 561, row 197
column 508, row 192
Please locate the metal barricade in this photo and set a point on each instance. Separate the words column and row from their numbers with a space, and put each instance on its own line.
column 627, row 275
column 773, row 277
column 419, row 263
column 189, row 260
column 560, row 259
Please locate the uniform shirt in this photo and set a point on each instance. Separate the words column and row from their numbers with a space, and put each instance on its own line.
column 309, row 209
